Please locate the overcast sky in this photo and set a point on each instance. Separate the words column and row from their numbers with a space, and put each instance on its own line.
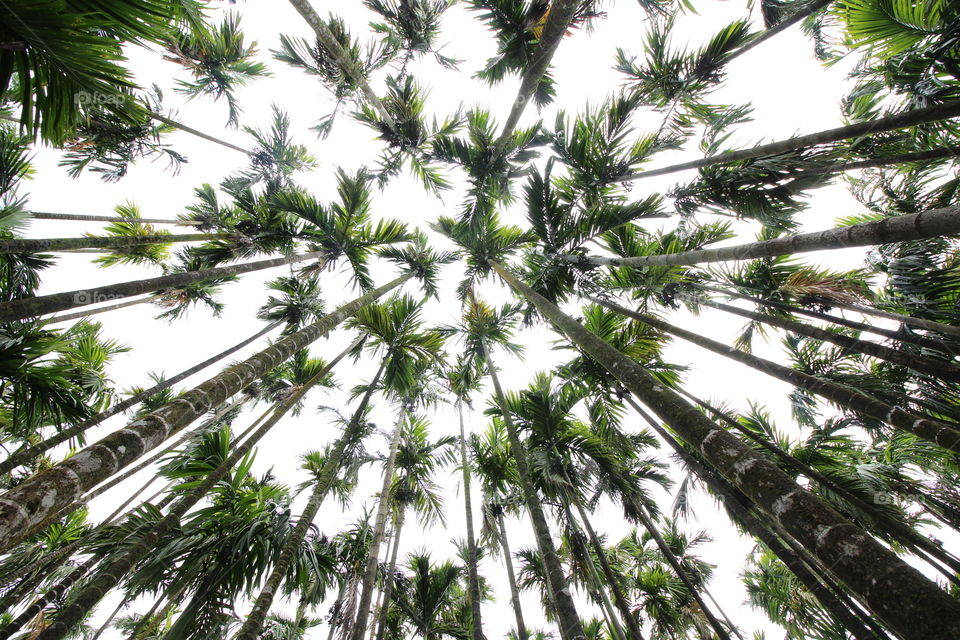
column 789, row 90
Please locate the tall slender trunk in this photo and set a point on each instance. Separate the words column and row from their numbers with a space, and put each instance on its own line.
column 836, row 602
column 897, row 593
column 379, row 527
column 780, row 27
column 920, row 341
column 827, row 167
column 29, row 452
column 51, row 490
column 196, row 132
column 28, row 245
column 91, row 312
column 907, row 536
column 944, row 111
column 916, row 362
column 594, row 584
column 569, row 621
column 932, row 223
column 920, row 323
column 561, row 13
column 389, row 579
column 614, row 583
column 116, row 569
column 42, row 305
column 942, row 433
column 258, row 615
column 472, row 555
column 109, row 620
column 511, row 578
column 79, row 217
column 343, row 60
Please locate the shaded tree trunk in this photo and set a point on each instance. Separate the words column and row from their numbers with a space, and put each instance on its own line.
column 389, row 579
column 932, row 223
column 78, row 217
column 379, row 528
column 569, row 621
column 110, row 307
column 196, row 132
column 473, row 576
column 897, row 593
column 42, row 305
column 26, row 245
column 51, row 490
column 254, row 623
column 511, row 578
column 912, row 118
column 27, row 453
column 942, row 433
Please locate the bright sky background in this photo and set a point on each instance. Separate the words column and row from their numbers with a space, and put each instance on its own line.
column 790, row 91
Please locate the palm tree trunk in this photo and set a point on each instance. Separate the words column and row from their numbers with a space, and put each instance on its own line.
column 51, row 490
column 569, row 621
column 78, row 217
column 827, row 168
column 592, row 579
column 343, row 60
column 106, row 623
column 25, row 245
column 110, row 307
column 512, row 579
column 614, row 583
column 907, row 536
column 43, row 305
column 916, row 362
column 920, row 323
column 561, row 13
column 258, row 614
column 932, row 223
column 912, row 118
column 942, row 433
column 27, row 453
column 920, row 341
column 897, row 593
column 379, row 527
column 836, row 602
column 110, row 576
column 781, row 26
column 473, row 577
column 196, row 132
column 389, row 578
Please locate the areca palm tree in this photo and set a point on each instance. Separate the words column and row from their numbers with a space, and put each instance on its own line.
column 412, row 25
column 428, row 597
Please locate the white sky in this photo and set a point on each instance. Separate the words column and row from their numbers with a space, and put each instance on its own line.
column 790, row 91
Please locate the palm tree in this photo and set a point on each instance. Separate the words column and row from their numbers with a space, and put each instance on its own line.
column 412, row 25
column 429, row 596
column 735, row 455
column 220, row 62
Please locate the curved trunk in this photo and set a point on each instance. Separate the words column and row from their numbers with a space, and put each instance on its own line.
column 569, row 621
column 919, row 363
column 79, row 217
column 116, row 569
column 920, row 341
column 561, row 13
column 27, row 453
column 343, row 60
column 384, row 507
column 512, row 579
column 932, row 223
column 91, row 312
column 42, row 305
column 51, row 490
column 835, row 601
column 388, row 579
column 944, row 111
column 898, row 594
column 942, row 433
column 474, row 578
column 26, row 245
column 258, row 614
column 196, row 132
